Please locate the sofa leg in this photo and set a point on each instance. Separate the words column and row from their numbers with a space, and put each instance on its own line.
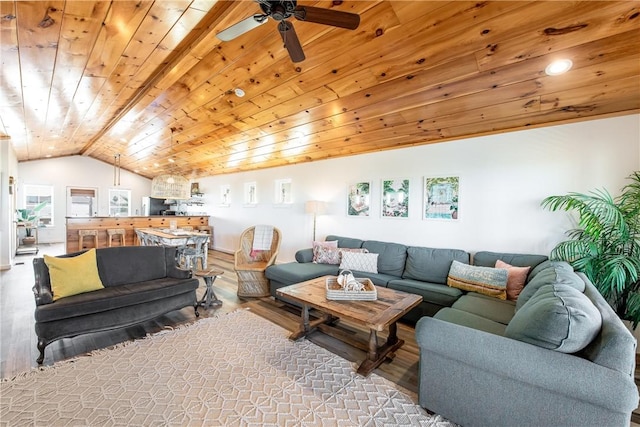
column 195, row 308
column 41, row 345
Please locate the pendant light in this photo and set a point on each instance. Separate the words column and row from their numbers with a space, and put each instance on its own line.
column 170, row 186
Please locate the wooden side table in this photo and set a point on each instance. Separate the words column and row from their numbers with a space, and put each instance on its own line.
column 209, row 298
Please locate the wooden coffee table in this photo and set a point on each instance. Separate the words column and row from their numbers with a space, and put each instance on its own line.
column 377, row 315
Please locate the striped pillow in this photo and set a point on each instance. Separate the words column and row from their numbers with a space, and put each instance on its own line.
column 483, row 280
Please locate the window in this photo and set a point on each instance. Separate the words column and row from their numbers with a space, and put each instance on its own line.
column 36, row 194
column 119, row 202
column 82, row 201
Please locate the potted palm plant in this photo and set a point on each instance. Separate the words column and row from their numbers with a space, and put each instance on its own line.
column 27, row 218
column 605, row 245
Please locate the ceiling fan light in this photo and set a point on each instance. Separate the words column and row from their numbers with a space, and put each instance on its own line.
column 558, row 67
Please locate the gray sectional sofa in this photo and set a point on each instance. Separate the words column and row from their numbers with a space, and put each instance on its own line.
column 140, row 284
column 484, row 361
column 417, row 270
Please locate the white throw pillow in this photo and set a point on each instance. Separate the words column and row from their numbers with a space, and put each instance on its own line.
column 366, row 262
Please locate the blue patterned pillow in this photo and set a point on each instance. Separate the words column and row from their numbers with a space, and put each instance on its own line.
column 483, row 280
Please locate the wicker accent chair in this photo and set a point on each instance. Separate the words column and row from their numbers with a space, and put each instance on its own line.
column 250, row 269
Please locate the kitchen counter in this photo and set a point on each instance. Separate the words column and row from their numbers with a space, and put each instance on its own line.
column 128, row 223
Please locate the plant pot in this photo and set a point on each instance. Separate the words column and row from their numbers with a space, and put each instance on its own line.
column 28, row 240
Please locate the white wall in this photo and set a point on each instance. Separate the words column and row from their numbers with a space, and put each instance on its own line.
column 503, row 179
column 8, row 168
column 77, row 171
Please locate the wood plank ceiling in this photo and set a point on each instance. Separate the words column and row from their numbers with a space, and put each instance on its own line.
column 150, row 81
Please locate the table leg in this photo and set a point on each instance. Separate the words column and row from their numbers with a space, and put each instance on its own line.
column 307, row 325
column 209, row 297
column 377, row 354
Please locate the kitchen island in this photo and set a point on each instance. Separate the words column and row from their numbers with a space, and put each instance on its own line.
column 102, row 223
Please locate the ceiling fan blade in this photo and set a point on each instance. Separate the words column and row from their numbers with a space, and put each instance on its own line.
column 332, row 17
column 291, row 42
column 242, row 27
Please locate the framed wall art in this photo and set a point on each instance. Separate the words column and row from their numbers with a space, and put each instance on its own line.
column 283, row 194
column 359, row 199
column 225, row 195
column 395, row 198
column 250, row 194
column 441, row 197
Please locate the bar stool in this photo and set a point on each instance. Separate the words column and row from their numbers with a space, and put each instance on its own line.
column 111, row 232
column 87, row 233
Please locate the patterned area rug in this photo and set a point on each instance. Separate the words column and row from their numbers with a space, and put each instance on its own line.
column 233, row 370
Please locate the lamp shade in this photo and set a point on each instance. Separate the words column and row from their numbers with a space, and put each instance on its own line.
column 170, row 187
column 315, row 207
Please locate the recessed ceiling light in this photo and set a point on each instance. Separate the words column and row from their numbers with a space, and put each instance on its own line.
column 558, row 67
column 155, row 165
column 171, row 161
column 239, row 92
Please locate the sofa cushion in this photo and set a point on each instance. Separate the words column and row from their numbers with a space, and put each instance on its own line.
column 114, row 297
column 484, row 280
column 516, row 278
column 488, row 259
column 558, row 317
column 73, row 275
column 562, row 265
column 435, row 293
column 392, row 256
column 345, row 242
column 294, row 272
column 491, row 308
column 549, row 276
column 470, row 320
column 116, row 268
column 615, row 346
column 378, row 279
column 431, row 264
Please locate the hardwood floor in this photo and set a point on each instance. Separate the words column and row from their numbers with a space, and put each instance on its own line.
column 18, row 350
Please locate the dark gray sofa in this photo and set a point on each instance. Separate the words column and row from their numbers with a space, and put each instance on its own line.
column 475, row 371
column 140, row 284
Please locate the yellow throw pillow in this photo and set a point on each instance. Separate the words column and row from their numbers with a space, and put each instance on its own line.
column 75, row 275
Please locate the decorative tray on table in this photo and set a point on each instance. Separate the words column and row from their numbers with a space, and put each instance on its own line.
column 335, row 291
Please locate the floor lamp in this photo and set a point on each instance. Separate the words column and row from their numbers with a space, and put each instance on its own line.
column 315, row 207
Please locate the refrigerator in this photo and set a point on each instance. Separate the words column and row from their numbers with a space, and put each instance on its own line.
column 153, row 206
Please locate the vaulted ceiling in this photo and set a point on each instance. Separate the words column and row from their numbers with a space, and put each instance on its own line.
column 149, row 80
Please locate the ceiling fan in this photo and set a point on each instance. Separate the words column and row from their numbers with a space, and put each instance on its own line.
column 281, row 10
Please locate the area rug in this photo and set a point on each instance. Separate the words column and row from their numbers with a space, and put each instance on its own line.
column 237, row 369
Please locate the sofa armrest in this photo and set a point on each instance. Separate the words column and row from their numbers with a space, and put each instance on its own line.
column 304, row 255
column 561, row 373
column 42, row 287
